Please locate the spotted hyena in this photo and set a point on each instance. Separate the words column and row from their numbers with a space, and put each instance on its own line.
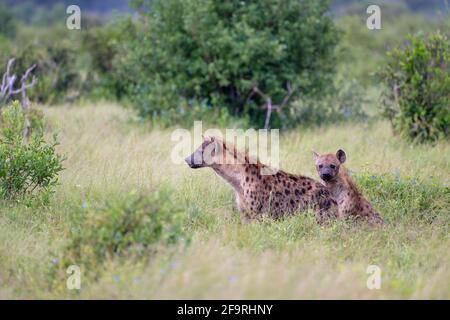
column 350, row 200
column 257, row 194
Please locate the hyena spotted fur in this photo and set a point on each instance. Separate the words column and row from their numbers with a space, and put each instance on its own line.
column 351, row 202
column 258, row 194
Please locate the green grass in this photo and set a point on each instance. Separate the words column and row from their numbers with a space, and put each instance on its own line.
column 108, row 156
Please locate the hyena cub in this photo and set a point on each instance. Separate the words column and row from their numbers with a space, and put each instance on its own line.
column 350, row 200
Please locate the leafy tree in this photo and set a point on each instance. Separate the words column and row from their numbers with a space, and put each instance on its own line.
column 56, row 53
column 417, row 79
column 105, row 44
column 214, row 53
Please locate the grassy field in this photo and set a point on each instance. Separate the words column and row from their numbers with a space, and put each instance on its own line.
column 110, row 156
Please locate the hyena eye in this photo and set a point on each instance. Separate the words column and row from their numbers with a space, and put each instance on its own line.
column 332, row 166
column 320, row 166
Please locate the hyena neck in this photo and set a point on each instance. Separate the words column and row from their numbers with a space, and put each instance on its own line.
column 233, row 174
column 343, row 184
column 234, row 171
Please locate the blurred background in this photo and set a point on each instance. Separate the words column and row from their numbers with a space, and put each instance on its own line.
column 177, row 61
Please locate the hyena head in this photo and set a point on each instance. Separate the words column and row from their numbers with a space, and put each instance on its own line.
column 212, row 152
column 327, row 165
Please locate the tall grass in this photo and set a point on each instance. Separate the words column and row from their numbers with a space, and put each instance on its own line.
column 108, row 155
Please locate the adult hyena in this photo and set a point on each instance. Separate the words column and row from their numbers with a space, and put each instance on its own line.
column 350, row 200
column 256, row 194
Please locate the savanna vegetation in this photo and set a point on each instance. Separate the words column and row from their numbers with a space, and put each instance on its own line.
column 141, row 227
column 91, row 184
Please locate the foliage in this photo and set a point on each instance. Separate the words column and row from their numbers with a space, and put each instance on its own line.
column 426, row 200
column 362, row 51
column 57, row 58
column 26, row 167
column 417, row 79
column 57, row 68
column 7, row 22
column 105, row 45
column 5, row 52
column 213, row 52
column 132, row 225
column 221, row 259
column 344, row 103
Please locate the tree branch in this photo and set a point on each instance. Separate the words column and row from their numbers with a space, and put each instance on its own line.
column 268, row 105
column 287, row 97
column 8, row 80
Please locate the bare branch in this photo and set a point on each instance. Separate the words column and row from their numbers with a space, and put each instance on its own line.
column 8, row 81
column 262, row 94
column 287, row 97
column 269, row 106
column 268, row 114
column 27, row 73
column 25, row 86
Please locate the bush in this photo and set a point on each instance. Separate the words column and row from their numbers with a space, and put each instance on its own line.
column 104, row 45
column 57, row 70
column 5, row 53
column 132, row 225
column 345, row 103
column 57, row 56
column 400, row 198
column 26, row 167
column 7, row 23
column 210, row 52
column 417, row 79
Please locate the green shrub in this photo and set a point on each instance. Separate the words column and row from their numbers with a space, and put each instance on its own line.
column 399, row 198
column 57, row 56
column 211, row 52
column 344, row 103
column 417, row 79
column 134, row 225
column 105, row 44
column 8, row 24
column 5, row 53
column 56, row 70
column 26, row 167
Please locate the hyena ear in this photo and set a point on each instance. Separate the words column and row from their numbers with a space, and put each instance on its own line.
column 341, row 156
column 315, row 155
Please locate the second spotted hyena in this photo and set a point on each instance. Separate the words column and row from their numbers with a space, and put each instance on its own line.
column 350, row 200
column 257, row 194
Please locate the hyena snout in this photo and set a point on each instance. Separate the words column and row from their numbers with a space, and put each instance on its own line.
column 193, row 162
column 198, row 160
column 326, row 173
column 326, row 176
